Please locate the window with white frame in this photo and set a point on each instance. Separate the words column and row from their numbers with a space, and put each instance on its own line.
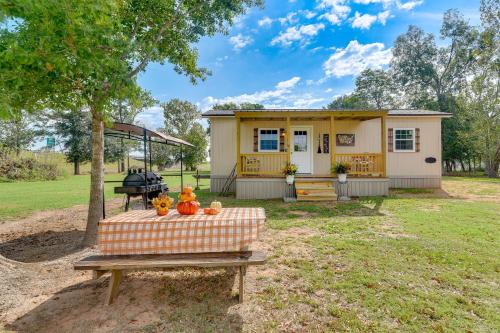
column 404, row 139
column 269, row 139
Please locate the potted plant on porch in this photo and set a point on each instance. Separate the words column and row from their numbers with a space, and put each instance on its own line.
column 289, row 171
column 341, row 168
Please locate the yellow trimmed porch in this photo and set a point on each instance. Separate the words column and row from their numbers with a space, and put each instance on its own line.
column 270, row 164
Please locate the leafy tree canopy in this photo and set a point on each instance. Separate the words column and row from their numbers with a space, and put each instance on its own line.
column 179, row 116
column 242, row 106
column 349, row 101
column 73, row 128
column 196, row 155
column 376, row 88
column 18, row 133
column 86, row 53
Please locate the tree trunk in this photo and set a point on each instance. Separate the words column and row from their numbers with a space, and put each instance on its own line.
column 76, row 165
column 462, row 165
column 119, row 166
column 96, row 179
column 491, row 169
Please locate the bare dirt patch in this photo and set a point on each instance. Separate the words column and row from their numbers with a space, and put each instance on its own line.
column 40, row 291
column 472, row 190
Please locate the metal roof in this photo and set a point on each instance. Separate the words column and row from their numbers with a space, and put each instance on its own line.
column 131, row 131
column 395, row 112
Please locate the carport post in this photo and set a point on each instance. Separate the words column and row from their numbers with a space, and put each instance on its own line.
column 182, row 178
column 145, row 167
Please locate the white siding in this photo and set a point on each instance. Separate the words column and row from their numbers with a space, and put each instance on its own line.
column 222, row 146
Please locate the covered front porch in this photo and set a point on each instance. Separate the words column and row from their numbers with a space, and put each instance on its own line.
column 313, row 140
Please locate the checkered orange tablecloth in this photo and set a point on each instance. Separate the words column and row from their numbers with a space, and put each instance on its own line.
column 144, row 232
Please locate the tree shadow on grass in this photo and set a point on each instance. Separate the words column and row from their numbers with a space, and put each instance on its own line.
column 191, row 300
column 42, row 246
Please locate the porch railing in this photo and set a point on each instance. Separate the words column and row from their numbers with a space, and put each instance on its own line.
column 362, row 164
column 262, row 164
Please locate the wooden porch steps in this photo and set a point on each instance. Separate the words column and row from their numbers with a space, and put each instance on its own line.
column 315, row 190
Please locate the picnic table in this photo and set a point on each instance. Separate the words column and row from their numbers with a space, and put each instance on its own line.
column 141, row 239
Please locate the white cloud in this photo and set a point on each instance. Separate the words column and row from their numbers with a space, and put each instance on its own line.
column 409, row 5
column 294, row 34
column 329, row 90
column 306, row 101
column 356, row 57
column 151, row 118
column 289, row 19
column 364, row 21
column 283, row 95
column 219, row 61
column 308, row 14
column 288, row 83
column 240, row 41
column 266, row 21
column 386, row 3
column 383, row 16
column 338, row 10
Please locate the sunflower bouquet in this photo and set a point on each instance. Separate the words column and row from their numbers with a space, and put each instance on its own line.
column 162, row 204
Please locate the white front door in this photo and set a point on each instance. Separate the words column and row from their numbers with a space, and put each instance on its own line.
column 301, row 145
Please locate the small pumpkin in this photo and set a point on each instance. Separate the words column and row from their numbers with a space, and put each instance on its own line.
column 187, row 194
column 216, row 205
column 188, row 207
column 210, row 211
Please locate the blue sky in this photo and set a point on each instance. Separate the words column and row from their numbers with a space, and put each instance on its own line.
column 297, row 54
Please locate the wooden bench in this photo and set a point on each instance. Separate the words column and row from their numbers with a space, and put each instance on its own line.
column 117, row 264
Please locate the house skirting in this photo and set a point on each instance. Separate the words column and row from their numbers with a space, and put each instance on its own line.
column 263, row 188
column 272, row 188
column 415, row 182
column 217, row 183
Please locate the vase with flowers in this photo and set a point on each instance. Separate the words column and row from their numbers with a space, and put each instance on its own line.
column 289, row 171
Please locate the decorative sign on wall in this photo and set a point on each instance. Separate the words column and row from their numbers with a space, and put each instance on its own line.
column 326, row 143
column 345, row 140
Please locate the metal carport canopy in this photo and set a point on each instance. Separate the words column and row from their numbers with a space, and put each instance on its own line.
column 130, row 131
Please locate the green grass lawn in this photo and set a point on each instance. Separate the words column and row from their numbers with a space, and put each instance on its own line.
column 402, row 263
column 415, row 261
column 18, row 199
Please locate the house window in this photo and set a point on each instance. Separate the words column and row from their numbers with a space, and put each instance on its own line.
column 404, row 139
column 299, row 141
column 269, row 139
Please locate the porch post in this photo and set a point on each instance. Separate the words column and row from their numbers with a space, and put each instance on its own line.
column 332, row 140
column 238, row 157
column 288, row 137
column 384, row 144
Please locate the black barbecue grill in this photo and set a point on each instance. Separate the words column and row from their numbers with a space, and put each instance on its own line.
column 141, row 182
column 134, row 186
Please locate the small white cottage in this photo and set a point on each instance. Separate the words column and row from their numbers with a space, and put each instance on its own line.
column 384, row 148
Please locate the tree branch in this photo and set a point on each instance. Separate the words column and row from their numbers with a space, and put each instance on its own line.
column 157, row 39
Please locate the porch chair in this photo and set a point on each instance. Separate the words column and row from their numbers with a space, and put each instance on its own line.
column 252, row 165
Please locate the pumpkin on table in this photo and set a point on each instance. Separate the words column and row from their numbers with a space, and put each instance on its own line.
column 187, row 204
